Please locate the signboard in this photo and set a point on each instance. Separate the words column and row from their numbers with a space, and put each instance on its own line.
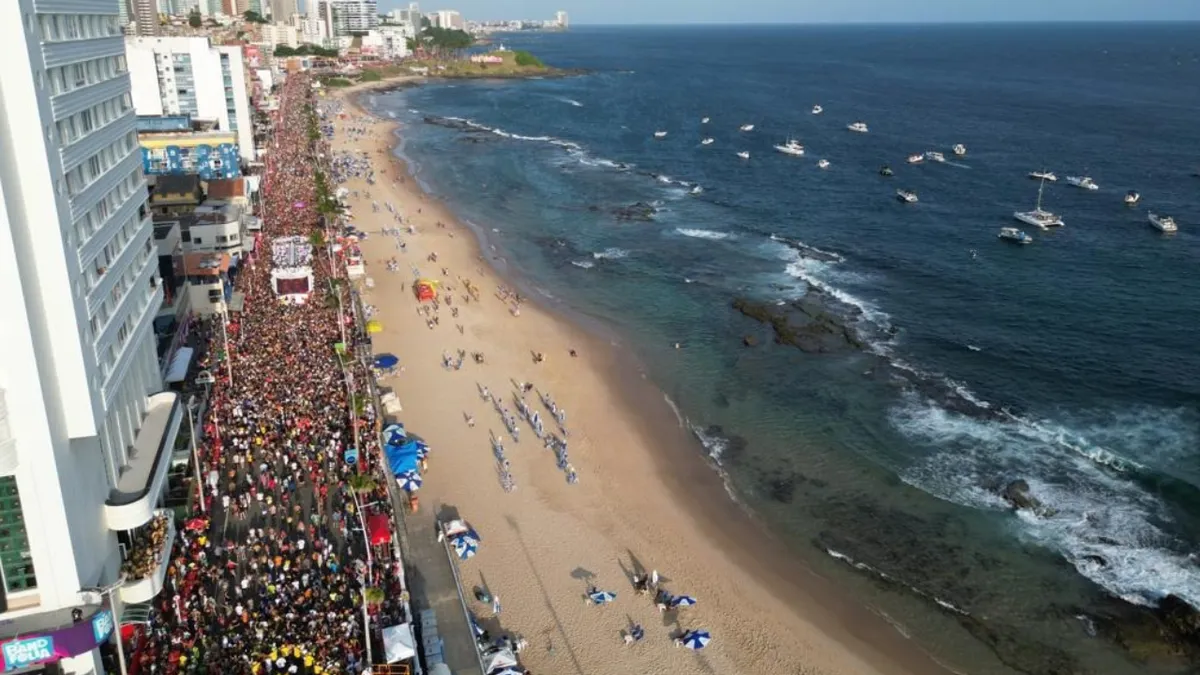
column 52, row 645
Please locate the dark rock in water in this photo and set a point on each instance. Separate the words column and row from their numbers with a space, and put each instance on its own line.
column 593, row 208
column 749, row 340
column 1096, row 560
column 782, row 488
column 721, row 400
column 1169, row 632
column 1017, row 494
column 804, row 324
column 637, row 211
column 457, row 125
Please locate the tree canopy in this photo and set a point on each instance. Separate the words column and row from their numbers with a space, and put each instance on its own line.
column 447, row 38
column 305, row 50
column 524, row 58
column 194, row 19
column 253, row 16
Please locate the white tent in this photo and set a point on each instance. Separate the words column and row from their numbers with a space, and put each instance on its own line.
column 497, row 659
column 398, row 643
column 179, row 365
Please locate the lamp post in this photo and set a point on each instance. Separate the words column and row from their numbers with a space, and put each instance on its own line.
column 113, row 602
column 225, row 340
column 195, row 455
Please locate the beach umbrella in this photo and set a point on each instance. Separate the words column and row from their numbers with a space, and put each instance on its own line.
column 507, row 670
column 410, row 481
column 394, row 434
column 682, row 601
column 465, row 547
column 475, row 626
column 602, row 597
column 696, row 639
column 422, row 450
column 373, row 326
column 386, row 360
column 637, row 632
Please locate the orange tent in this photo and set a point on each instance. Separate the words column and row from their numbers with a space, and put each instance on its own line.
column 426, row 290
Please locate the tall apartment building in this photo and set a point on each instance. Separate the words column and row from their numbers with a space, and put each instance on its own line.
column 84, row 424
column 145, row 15
column 282, row 10
column 560, row 18
column 354, row 16
column 191, row 76
column 447, row 18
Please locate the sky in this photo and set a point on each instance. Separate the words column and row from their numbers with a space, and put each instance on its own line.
column 816, row 11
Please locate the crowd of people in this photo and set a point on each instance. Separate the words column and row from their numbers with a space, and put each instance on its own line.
column 273, row 576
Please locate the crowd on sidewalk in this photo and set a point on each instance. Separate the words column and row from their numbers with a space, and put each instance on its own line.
column 273, row 576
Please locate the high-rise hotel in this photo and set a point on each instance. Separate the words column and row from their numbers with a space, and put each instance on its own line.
column 86, row 431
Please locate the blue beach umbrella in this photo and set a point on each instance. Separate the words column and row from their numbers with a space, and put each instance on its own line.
column 422, row 449
column 386, row 360
column 394, row 434
column 602, row 597
column 410, row 481
column 475, row 626
column 696, row 639
column 465, row 547
column 682, row 601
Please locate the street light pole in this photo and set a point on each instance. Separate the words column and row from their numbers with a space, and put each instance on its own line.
column 195, row 455
column 112, row 603
column 225, row 339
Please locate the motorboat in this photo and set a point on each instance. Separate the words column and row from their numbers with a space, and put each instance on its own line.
column 707, row 141
column 1084, row 182
column 1132, row 198
column 1043, row 175
column 906, row 196
column 960, row 150
column 1164, row 224
column 1038, row 217
column 885, row 170
column 822, row 164
column 704, row 121
column 744, row 155
column 935, row 156
column 916, row 159
column 1015, row 236
column 746, row 127
column 696, row 190
column 860, row 127
column 817, row 110
column 660, row 134
column 791, row 147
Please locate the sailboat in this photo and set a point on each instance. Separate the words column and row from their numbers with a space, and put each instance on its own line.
column 1037, row 217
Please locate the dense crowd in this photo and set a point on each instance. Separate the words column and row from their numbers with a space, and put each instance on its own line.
column 273, row 577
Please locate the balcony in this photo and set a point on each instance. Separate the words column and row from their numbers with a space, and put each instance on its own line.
column 131, row 503
column 145, row 565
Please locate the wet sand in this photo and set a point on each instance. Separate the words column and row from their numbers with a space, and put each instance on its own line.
column 646, row 498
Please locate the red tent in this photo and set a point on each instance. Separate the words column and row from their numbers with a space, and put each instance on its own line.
column 377, row 526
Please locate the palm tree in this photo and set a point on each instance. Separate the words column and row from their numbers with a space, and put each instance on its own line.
column 373, row 595
column 361, row 483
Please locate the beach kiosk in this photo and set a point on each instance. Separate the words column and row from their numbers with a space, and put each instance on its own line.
column 426, row 290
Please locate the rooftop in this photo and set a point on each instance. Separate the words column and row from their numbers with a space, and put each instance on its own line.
column 200, row 264
column 226, row 188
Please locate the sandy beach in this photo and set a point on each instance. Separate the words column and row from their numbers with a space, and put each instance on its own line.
column 645, row 498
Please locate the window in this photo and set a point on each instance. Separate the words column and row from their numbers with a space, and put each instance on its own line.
column 16, row 562
column 80, row 74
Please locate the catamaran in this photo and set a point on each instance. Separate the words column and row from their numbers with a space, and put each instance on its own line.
column 1037, row 217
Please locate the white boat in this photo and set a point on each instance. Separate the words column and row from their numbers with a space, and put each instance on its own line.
column 1164, row 224
column 860, row 127
column 935, row 156
column 707, row 141
column 906, row 196
column 1037, row 217
column 1015, row 236
column 792, row 147
column 822, row 164
column 1084, row 182
column 747, row 127
column 817, row 110
column 744, row 155
column 660, row 134
column 916, row 159
column 960, row 150
column 1132, row 198
column 697, row 190
column 1043, row 175
column 704, row 121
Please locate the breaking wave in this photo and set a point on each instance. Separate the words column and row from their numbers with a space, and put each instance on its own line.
column 610, row 254
column 585, row 264
column 864, row 567
column 714, row 235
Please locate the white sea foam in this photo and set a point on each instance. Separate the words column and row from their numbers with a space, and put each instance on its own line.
column 610, row 254
column 821, row 274
column 864, row 567
column 714, row 235
column 674, row 409
column 714, row 445
column 585, row 264
column 1107, row 526
column 571, row 101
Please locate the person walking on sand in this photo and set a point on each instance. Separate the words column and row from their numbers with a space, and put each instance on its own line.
column 496, row 605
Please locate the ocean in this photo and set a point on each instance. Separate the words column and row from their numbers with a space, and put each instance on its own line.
column 1069, row 364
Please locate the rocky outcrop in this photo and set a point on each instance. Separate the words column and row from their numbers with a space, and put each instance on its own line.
column 804, row 324
column 637, row 212
column 456, row 124
column 749, row 340
column 1018, row 496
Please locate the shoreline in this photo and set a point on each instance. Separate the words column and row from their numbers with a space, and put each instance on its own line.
column 843, row 636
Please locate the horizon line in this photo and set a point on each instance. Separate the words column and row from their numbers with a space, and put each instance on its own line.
column 899, row 22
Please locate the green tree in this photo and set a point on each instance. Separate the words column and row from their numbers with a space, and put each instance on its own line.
column 361, row 483
column 194, row 19
column 373, row 595
column 370, row 76
column 252, row 16
column 526, row 59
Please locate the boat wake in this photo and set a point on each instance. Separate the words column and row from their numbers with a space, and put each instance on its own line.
column 583, row 264
column 611, row 254
column 570, row 101
column 712, row 235
column 1086, row 500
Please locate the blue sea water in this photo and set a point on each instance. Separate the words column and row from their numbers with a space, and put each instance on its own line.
column 1070, row 364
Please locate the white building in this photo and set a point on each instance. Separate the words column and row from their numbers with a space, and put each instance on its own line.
column 84, row 424
column 276, row 34
column 560, row 18
column 388, row 41
column 190, row 76
column 447, row 18
column 354, row 16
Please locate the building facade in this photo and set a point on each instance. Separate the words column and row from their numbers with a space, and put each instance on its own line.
column 145, row 16
column 354, row 16
column 190, row 76
column 84, row 421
